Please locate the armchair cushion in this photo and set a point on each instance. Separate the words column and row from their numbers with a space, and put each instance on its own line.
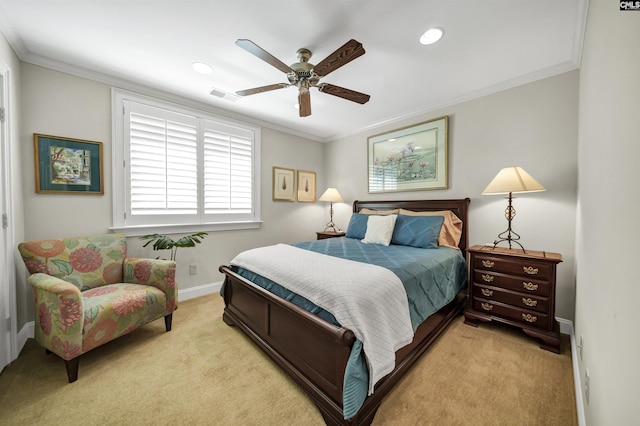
column 87, row 292
column 86, row 262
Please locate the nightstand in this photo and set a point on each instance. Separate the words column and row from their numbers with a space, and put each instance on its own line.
column 514, row 287
column 329, row 234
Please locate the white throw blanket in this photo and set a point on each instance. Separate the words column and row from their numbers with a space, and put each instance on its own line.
column 369, row 300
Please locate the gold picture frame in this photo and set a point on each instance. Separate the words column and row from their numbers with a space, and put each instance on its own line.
column 67, row 166
column 413, row 158
column 284, row 184
column 306, row 186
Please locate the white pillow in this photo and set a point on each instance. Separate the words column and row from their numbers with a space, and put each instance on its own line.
column 380, row 229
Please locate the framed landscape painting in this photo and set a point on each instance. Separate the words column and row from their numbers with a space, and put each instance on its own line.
column 67, row 166
column 409, row 159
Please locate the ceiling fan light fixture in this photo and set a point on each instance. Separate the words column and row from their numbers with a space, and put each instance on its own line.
column 431, row 36
column 304, row 75
column 202, row 68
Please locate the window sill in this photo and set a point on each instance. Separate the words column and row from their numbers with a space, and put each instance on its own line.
column 136, row 231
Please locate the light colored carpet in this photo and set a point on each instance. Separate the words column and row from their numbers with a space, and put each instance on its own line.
column 205, row 372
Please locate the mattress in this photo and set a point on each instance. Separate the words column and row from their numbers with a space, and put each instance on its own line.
column 431, row 278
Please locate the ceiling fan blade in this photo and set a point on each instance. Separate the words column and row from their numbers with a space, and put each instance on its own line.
column 345, row 54
column 261, row 89
column 258, row 51
column 304, row 102
column 341, row 92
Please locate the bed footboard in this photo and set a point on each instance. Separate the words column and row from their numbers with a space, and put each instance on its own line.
column 312, row 351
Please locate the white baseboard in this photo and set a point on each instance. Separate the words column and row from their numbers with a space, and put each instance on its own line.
column 26, row 332
column 566, row 327
column 201, row 290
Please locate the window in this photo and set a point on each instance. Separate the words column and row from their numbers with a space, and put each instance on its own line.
column 182, row 170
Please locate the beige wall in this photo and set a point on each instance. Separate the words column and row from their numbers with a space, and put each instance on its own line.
column 533, row 126
column 59, row 104
column 607, row 227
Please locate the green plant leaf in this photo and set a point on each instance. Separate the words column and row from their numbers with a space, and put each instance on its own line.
column 164, row 242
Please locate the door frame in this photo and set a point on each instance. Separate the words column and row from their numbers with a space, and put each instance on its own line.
column 8, row 338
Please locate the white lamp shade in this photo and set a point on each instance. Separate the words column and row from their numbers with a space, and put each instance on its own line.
column 513, row 179
column 331, row 194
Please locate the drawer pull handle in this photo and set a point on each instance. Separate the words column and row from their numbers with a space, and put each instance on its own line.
column 529, row 301
column 487, row 306
column 529, row 317
column 487, row 292
column 530, row 286
column 487, row 278
column 530, row 270
column 488, row 264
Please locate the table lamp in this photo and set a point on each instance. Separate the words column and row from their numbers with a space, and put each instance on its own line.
column 333, row 196
column 511, row 180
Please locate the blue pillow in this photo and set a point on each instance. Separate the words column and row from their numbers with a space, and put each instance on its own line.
column 417, row 231
column 357, row 226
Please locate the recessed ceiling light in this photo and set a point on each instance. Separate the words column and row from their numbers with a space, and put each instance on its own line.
column 202, row 68
column 431, row 36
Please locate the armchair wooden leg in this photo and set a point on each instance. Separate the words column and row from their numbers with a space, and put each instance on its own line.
column 72, row 368
column 167, row 321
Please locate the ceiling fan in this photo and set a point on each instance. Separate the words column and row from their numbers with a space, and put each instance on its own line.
column 304, row 75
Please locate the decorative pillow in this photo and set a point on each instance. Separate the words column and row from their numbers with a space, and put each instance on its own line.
column 417, row 231
column 357, row 226
column 451, row 230
column 383, row 212
column 379, row 229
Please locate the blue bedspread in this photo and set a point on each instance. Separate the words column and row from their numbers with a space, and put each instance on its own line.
column 431, row 277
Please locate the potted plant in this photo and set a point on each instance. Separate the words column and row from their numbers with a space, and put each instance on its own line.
column 164, row 242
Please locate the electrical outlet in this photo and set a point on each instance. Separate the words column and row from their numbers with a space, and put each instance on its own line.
column 587, row 383
column 193, row 269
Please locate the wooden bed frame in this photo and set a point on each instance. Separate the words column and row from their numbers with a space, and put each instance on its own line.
column 314, row 352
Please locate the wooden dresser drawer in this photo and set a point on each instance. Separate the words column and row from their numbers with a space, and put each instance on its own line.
column 529, row 286
column 515, row 299
column 529, row 318
column 526, row 268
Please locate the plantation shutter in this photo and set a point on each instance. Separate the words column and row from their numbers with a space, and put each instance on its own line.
column 228, row 169
column 163, row 155
column 180, row 169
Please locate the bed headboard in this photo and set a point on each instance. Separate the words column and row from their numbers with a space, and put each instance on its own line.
column 460, row 207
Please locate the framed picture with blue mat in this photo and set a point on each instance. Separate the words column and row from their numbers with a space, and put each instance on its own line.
column 67, row 166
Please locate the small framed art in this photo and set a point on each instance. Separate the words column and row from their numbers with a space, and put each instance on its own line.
column 306, row 186
column 67, row 166
column 283, row 184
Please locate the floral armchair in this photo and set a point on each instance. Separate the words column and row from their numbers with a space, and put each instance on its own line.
column 88, row 292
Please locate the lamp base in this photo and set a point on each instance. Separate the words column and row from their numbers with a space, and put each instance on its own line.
column 332, row 226
column 510, row 237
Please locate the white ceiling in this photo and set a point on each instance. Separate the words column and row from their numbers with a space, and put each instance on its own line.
column 489, row 45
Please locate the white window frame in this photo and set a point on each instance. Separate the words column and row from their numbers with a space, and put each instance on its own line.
column 120, row 174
